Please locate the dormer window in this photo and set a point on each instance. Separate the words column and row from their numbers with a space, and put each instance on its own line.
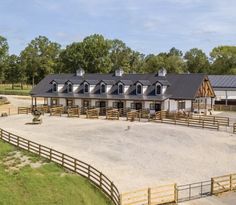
column 120, row 89
column 69, row 88
column 86, row 87
column 138, row 89
column 54, row 87
column 103, row 88
column 158, row 89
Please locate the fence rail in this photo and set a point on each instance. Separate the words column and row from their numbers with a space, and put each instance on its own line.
column 150, row 196
column 66, row 161
column 225, row 107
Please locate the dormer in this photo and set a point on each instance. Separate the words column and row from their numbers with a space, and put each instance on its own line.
column 124, row 84
column 158, row 89
column 57, row 85
column 72, row 85
column 119, row 72
column 143, row 85
column 106, row 85
column 69, row 87
column 161, row 86
column 89, row 85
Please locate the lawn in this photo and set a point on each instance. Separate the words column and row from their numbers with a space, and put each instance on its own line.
column 27, row 179
column 6, row 89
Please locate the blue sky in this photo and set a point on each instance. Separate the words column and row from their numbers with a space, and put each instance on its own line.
column 148, row 26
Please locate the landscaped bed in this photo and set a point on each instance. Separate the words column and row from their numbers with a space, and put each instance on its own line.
column 28, row 179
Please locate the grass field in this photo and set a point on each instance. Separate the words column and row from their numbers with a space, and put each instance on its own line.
column 6, row 89
column 27, row 179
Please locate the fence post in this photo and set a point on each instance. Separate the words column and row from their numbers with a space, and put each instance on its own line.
column 50, row 156
column 121, row 199
column 89, row 171
column 39, row 150
column 112, row 190
column 63, row 156
column 9, row 137
column 28, row 145
column 1, row 133
column 75, row 165
column 176, row 193
column 18, row 141
column 231, row 182
column 149, row 196
column 212, row 186
column 100, row 179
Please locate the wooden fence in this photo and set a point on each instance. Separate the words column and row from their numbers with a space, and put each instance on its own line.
column 223, row 184
column 133, row 115
column 225, row 107
column 56, row 111
column 73, row 112
column 223, row 121
column 92, row 114
column 112, row 114
column 234, row 128
column 24, row 110
column 151, row 196
column 66, row 161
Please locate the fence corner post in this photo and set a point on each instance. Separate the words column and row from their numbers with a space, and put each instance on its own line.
column 231, row 182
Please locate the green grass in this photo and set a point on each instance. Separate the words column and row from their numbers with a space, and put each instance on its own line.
column 48, row 184
column 6, row 89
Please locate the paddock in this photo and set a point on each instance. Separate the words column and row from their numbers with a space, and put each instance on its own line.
column 134, row 154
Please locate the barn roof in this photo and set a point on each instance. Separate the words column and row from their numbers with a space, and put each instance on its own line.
column 223, row 81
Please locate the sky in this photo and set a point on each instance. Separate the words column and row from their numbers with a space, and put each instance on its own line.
column 148, row 26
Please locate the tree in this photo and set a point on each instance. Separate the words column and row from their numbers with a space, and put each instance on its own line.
column 153, row 63
column 14, row 72
column 224, row 60
column 3, row 56
column 92, row 54
column 40, row 58
column 197, row 61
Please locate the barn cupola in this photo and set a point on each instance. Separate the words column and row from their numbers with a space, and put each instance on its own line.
column 119, row 72
column 162, row 72
column 80, row 72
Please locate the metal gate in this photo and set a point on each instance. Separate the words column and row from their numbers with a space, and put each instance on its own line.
column 193, row 191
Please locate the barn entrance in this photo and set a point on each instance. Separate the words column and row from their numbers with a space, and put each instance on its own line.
column 157, row 107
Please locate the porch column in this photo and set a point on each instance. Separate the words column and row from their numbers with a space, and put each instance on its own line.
column 205, row 105
column 35, row 101
column 198, row 106
column 32, row 101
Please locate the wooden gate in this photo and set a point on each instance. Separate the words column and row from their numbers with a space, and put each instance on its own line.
column 223, row 183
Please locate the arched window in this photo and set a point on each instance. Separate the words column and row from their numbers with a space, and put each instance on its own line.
column 158, row 89
column 139, row 89
column 86, row 87
column 69, row 88
column 54, row 87
column 120, row 89
column 103, row 88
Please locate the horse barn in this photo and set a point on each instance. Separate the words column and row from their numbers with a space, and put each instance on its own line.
column 225, row 89
column 153, row 92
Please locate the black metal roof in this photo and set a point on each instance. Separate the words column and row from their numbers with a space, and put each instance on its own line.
column 179, row 86
column 223, row 81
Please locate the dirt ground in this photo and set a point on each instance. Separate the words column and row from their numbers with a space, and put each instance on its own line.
column 135, row 154
column 224, row 199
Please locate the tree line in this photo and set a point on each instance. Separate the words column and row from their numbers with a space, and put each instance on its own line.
column 95, row 54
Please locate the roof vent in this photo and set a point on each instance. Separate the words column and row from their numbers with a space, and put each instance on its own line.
column 119, row 72
column 80, row 72
column 162, row 72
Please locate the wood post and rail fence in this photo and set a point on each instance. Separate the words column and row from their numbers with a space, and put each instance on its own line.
column 67, row 162
column 225, row 107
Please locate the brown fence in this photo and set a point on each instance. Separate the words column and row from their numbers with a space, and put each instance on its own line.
column 133, row 115
column 56, row 111
column 223, row 183
column 8, row 111
column 225, row 107
column 234, row 128
column 223, row 121
column 92, row 114
column 24, row 110
column 73, row 112
column 150, row 196
column 66, row 161
column 112, row 114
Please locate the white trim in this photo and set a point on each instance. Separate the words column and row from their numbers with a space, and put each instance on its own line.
column 101, row 84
